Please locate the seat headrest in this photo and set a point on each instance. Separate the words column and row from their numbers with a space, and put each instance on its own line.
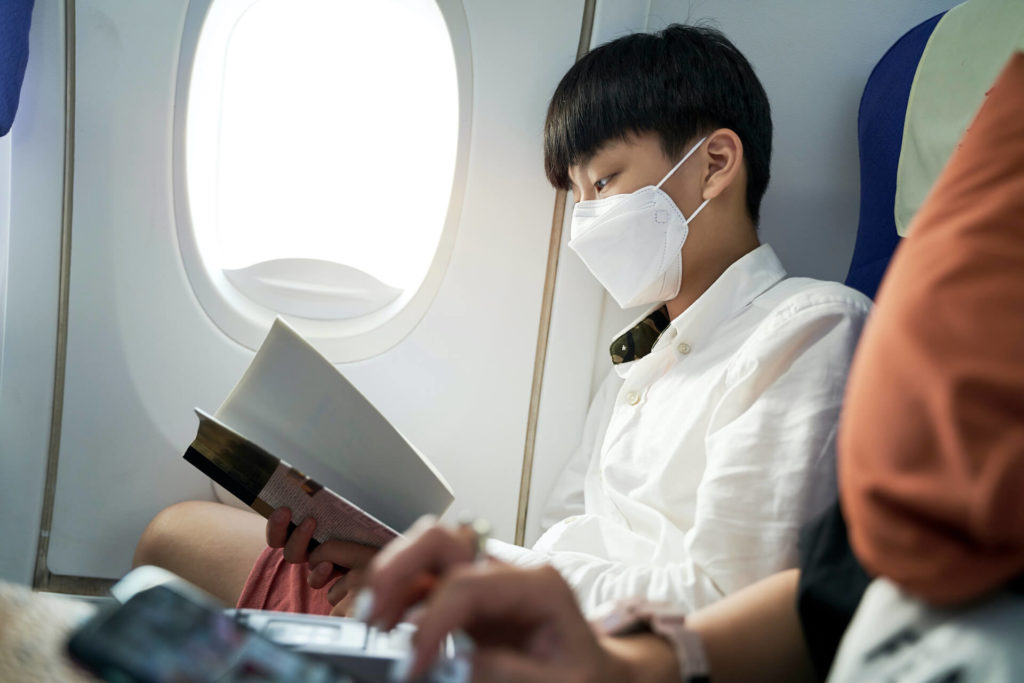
column 883, row 108
column 15, row 18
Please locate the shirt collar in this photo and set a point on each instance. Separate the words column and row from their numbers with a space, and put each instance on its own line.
column 747, row 278
column 638, row 340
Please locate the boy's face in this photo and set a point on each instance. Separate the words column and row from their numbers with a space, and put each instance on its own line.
column 624, row 166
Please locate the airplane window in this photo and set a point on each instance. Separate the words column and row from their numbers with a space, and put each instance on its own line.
column 320, row 149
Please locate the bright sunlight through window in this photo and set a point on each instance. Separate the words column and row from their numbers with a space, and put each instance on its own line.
column 321, row 143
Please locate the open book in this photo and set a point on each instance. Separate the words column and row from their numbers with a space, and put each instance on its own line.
column 294, row 432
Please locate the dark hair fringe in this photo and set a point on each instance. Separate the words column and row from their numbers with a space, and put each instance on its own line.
column 681, row 82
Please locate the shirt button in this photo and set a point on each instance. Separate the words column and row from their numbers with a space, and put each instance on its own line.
column 632, row 398
column 684, row 348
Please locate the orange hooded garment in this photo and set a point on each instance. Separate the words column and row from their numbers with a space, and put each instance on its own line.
column 931, row 444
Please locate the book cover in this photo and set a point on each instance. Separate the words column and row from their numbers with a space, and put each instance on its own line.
column 294, row 432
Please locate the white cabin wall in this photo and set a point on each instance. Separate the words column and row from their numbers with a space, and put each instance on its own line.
column 141, row 351
column 28, row 316
column 139, row 348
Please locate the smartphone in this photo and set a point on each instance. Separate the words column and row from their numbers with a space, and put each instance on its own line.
column 160, row 635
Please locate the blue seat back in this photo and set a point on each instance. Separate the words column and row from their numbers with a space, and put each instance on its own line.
column 883, row 109
column 15, row 17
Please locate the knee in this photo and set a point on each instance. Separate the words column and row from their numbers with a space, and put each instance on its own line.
column 163, row 535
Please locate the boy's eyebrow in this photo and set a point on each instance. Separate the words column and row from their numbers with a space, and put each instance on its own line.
column 583, row 164
column 569, row 171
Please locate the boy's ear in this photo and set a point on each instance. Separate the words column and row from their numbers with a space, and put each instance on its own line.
column 725, row 160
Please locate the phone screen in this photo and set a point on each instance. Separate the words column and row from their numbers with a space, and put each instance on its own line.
column 160, row 636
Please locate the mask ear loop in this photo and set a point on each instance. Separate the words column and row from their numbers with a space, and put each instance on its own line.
column 694, row 214
column 687, row 156
column 676, row 167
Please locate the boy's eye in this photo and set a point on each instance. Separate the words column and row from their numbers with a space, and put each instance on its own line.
column 602, row 183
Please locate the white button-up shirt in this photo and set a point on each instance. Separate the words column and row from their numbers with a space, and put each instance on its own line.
column 700, row 461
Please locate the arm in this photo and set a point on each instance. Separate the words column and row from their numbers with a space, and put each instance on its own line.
column 752, row 635
column 755, row 634
column 770, row 464
column 528, row 627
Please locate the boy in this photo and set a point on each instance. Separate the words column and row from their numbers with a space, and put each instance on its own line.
column 712, row 439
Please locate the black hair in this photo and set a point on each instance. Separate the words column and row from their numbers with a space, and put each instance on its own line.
column 679, row 83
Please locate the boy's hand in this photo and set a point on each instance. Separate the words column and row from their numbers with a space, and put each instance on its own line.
column 295, row 543
column 345, row 564
column 340, row 562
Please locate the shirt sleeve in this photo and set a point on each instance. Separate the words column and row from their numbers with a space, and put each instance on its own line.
column 566, row 497
column 770, row 463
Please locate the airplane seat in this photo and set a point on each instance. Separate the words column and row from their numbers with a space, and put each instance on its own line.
column 15, row 18
column 883, row 108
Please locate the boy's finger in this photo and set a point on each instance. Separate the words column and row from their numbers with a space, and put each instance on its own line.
column 340, row 589
column 343, row 554
column 277, row 527
column 298, row 542
column 321, row 573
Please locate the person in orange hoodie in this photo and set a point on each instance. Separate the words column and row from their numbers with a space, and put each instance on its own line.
column 932, row 439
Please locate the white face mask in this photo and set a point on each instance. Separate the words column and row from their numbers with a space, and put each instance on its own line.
column 632, row 243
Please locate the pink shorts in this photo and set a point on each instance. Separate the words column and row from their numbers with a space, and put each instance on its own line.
column 277, row 585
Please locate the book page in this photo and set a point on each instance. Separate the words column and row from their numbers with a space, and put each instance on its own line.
column 295, row 404
column 266, row 483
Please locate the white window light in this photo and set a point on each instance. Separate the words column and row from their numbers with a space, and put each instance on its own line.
column 321, row 142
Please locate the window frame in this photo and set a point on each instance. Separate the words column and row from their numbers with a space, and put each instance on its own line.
column 246, row 321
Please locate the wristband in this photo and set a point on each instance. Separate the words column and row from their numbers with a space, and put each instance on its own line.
column 640, row 616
